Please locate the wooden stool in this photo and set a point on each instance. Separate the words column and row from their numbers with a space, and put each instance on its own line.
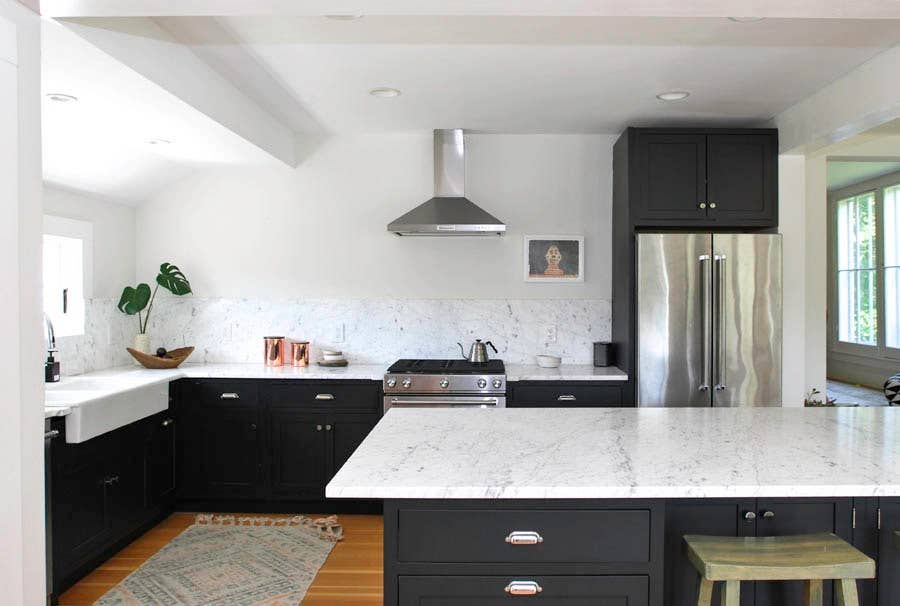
column 808, row 557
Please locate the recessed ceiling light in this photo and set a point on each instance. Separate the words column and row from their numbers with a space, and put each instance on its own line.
column 158, row 141
column 61, row 97
column 348, row 17
column 673, row 95
column 384, row 92
column 745, row 19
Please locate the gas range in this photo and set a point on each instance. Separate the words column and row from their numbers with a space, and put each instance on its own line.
column 445, row 383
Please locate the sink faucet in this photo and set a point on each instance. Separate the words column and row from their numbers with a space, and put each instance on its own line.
column 51, row 366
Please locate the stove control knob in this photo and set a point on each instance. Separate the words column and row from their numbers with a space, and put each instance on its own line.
column 497, row 383
column 445, row 383
column 391, row 382
column 406, row 383
column 482, row 383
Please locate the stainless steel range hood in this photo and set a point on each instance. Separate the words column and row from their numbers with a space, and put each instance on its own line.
column 449, row 212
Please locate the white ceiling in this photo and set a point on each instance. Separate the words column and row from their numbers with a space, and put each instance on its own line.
column 492, row 74
column 99, row 144
column 553, row 74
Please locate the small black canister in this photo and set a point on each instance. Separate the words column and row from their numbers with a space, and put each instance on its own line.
column 603, row 354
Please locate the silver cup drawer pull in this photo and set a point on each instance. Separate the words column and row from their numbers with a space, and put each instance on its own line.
column 229, row 395
column 523, row 588
column 524, row 537
column 566, row 398
column 324, row 396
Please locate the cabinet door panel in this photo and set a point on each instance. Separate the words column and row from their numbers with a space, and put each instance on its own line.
column 125, row 476
column 298, row 443
column 347, row 433
column 889, row 553
column 556, row 591
column 799, row 516
column 160, row 460
column 672, row 178
column 708, row 517
column 742, row 178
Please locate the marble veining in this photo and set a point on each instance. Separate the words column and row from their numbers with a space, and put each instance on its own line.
column 377, row 331
column 626, row 453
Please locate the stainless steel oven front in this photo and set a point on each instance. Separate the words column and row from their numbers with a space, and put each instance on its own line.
column 444, row 401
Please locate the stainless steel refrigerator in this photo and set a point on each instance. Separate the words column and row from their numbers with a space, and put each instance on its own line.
column 709, row 319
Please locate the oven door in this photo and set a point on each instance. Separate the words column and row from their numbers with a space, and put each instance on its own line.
column 440, row 401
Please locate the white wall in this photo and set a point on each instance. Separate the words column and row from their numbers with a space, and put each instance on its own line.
column 792, row 225
column 21, row 458
column 113, row 236
column 320, row 230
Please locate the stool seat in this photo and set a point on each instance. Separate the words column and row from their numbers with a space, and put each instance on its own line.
column 785, row 558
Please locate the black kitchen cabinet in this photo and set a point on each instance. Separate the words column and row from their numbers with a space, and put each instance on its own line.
column 889, row 553
column 299, row 467
column 346, row 434
column 559, row 394
column 747, row 517
column 777, row 517
column 703, row 178
column 554, row 590
column 159, row 460
column 717, row 517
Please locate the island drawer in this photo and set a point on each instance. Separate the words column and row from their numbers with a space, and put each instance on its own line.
column 566, row 395
column 524, row 536
column 358, row 397
column 503, row 590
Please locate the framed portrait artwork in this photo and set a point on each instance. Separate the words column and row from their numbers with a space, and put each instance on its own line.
column 554, row 259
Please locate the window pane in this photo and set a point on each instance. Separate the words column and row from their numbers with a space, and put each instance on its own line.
column 892, row 226
column 856, row 232
column 892, row 306
column 857, row 315
column 64, row 284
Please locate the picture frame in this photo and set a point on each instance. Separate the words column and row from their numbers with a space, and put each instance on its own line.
column 549, row 259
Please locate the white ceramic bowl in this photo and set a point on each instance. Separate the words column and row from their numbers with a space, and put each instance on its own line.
column 332, row 356
column 548, row 361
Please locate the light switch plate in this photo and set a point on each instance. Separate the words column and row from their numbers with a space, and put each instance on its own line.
column 549, row 333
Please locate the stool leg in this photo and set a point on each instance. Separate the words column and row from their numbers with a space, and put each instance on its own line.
column 812, row 593
column 704, row 596
column 731, row 593
column 846, row 592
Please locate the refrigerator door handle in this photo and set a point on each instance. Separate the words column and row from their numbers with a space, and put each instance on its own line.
column 719, row 338
column 706, row 320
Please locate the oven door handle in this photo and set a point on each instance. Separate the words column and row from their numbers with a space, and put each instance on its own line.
column 438, row 402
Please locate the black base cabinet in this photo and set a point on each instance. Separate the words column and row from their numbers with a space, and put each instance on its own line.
column 622, row 552
column 560, row 394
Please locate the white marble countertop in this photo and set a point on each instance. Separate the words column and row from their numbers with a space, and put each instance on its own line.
column 626, row 453
column 566, row 372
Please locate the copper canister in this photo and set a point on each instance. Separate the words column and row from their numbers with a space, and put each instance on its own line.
column 300, row 353
column 274, row 351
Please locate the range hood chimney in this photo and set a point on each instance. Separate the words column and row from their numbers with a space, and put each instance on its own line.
column 449, row 212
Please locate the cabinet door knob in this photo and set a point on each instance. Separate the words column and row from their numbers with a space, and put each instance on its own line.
column 702, row 205
column 712, row 204
column 524, row 537
column 252, row 426
column 328, row 428
column 749, row 515
column 768, row 514
column 168, row 422
column 318, row 428
column 523, row 588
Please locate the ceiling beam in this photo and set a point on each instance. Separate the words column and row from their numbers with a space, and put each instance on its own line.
column 825, row 9
column 144, row 46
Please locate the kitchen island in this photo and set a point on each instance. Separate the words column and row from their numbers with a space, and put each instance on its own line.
column 592, row 504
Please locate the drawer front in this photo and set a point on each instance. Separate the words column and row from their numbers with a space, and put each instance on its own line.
column 356, row 397
column 514, row 536
column 567, row 394
column 227, row 393
column 504, row 591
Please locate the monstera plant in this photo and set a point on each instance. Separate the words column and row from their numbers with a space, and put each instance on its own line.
column 136, row 299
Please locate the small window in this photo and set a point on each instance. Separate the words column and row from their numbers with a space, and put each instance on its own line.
column 857, row 270
column 66, row 260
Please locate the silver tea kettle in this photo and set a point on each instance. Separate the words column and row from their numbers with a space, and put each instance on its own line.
column 478, row 352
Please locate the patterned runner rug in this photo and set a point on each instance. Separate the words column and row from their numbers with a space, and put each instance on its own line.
column 232, row 561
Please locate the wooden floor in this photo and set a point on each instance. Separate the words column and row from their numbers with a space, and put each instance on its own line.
column 351, row 576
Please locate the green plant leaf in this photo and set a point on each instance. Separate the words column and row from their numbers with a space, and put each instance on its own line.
column 171, row 278
column 134, row 300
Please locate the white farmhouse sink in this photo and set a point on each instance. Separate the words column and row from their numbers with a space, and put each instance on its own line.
column 102, row 405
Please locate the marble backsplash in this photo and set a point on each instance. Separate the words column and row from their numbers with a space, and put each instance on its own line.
column 366, row 330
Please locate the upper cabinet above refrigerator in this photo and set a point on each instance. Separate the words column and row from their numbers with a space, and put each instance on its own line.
column 724, row 178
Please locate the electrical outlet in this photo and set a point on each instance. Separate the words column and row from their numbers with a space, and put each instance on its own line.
column 549, row 333
column 338, row 334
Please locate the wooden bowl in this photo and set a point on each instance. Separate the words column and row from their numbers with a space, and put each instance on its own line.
column 172, row 359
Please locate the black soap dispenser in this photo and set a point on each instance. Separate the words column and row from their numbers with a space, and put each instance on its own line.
column 51, row 366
